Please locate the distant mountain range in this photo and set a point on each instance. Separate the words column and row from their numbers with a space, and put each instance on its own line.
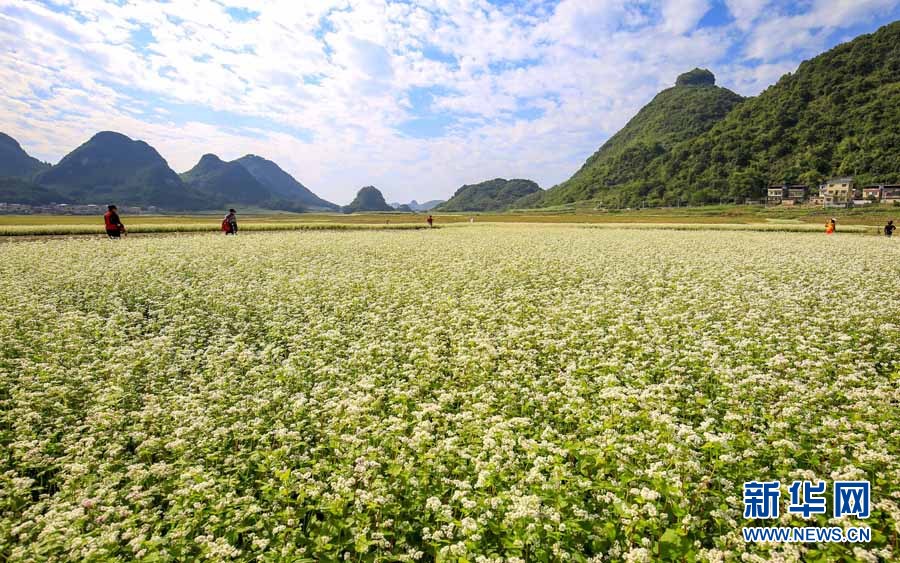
column 112, row 168
column 416, row 206
column 493, row 195
column 282, row 185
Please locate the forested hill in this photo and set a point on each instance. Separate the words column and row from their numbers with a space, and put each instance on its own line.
column 368, row 198
column 676, row 114
column 111, row 167
column 15, row 162
column 493, row 195
column 837, row 114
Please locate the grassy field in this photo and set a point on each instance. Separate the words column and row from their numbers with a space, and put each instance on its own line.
column 764, row 218
column 489, row 393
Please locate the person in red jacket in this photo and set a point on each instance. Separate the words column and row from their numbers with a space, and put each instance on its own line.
column 114, row 226
column 229, row 223
column 430, row 221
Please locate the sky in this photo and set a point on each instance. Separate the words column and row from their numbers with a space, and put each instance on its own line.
column 414, row 97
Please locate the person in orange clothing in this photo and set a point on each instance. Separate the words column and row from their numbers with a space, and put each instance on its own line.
column 830, row 226
column 114, row 226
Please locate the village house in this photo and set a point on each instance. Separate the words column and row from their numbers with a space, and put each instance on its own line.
column 890, row 193
column 775, row 195
column 871, row 193
column 797, row 193
column 787, row 194
column 17, row 208
column 838, row 192
column 884, row 193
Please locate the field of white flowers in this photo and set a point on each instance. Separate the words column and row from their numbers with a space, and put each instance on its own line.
column 482, row 393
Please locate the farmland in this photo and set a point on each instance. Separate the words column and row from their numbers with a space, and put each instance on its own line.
column 476, row 393
column 862, row 219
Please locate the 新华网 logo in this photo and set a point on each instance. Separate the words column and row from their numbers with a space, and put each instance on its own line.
column 762, row 501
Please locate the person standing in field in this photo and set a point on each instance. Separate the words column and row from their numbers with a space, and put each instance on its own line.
column 889, row 229
column 830, row 226
column 114, row 226
column 430, row 221
column 229, row 223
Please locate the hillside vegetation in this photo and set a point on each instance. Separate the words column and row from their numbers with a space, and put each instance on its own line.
column 15, row 162
column 493, row 195
column 110, row 167
column 690, row 108
column 837, row 114
column 23, row 192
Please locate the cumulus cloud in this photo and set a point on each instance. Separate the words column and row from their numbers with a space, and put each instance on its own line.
column 416, row 98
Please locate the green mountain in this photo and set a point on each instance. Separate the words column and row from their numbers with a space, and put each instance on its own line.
column 690, row 108
column 367, row 199
column 493, row 195
column 110, row 167
column 283, row 185
column 15, row 162
column 837, row 114
column 226, row 182
column 23, row 192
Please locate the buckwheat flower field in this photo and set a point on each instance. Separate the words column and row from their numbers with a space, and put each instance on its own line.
column 475, row 393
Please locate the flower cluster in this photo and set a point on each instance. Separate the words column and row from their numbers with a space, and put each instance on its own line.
column 488, row 393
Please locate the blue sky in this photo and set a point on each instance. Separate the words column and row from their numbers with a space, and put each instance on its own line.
column 416, row 98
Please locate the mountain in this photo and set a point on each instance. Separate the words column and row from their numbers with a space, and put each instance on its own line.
column 493, row 195
column 227, row 182
column 693, row 106
column 18, row 190
column 427, row 206
column 282, row 184
column 367, row 199
column 110, row 167
column 836, row 115
column 416, row 206
column 15, row 162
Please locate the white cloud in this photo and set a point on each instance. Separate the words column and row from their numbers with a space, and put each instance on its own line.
column 680, row 16
column 745, row 12
column 190, row 78
column 806, row 33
